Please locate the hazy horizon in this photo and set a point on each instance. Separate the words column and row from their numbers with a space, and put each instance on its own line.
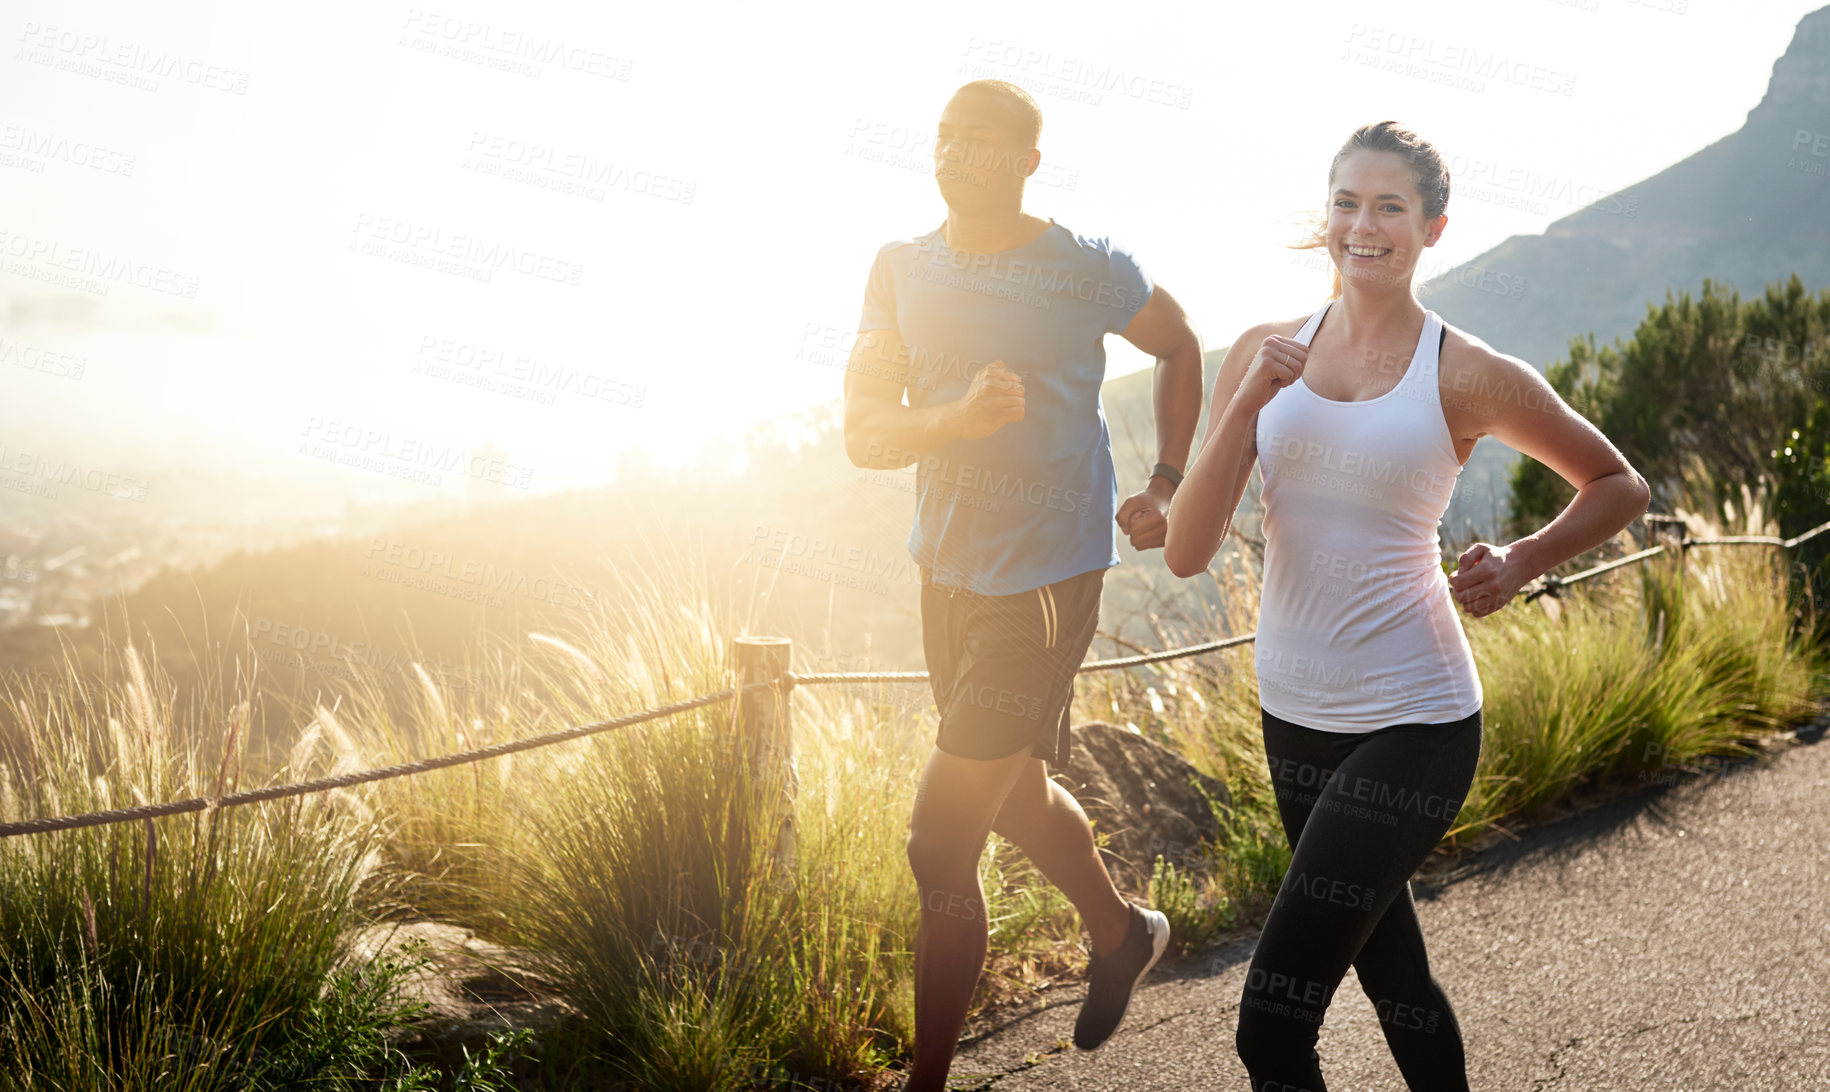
column 730, row 187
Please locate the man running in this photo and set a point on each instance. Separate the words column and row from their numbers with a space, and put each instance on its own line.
column 993, row 325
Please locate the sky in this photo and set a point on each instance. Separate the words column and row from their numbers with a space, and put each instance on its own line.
column 352, row 239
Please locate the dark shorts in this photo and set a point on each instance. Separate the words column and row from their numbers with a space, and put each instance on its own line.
column 1002, row 666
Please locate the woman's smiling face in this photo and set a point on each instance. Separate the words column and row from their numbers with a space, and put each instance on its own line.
column 1376, row 230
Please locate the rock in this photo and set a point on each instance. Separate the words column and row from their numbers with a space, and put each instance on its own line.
column 470, row 986
column 1144, row 797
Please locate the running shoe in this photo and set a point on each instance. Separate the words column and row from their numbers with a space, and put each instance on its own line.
column 1112, row 978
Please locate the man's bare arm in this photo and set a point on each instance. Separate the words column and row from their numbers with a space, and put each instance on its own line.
column 882, row 433
column 1161, row 328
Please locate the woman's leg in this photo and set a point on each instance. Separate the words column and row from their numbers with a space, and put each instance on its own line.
column 1273, row 1043
column 1413, row 1010
column 1376, row 805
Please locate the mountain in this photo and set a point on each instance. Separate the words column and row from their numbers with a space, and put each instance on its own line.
column 1751, row 208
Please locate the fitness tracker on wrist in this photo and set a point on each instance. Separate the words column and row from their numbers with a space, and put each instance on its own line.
column 1164, row 470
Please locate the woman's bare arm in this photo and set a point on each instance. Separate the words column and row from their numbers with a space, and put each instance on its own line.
column 1261, row 362
column 1532, row 419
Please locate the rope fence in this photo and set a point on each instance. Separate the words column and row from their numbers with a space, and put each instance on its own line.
column 765, row 658
column 343, row 781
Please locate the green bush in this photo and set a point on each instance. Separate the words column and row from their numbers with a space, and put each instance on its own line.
column 1710, row 398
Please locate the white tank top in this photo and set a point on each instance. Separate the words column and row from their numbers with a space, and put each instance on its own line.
column 1357, row 629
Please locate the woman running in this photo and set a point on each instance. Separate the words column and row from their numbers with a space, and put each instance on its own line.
column 1361, row 416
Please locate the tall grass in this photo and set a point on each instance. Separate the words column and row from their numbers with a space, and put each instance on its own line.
column 1674, row 659
column 636, row 869
column 192, row 952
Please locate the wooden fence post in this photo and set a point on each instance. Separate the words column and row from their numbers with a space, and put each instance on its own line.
column 766, row 738
column 1672, row 532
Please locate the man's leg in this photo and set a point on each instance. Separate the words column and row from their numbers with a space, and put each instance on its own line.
column 1040, row 816
column 1045, row 821
column 955, row 804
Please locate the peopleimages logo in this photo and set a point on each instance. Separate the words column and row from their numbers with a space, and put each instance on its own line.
column 45, row 476
column 518, row 374
column 30, row 148
column 1351, row 895
column 1384, row 795
column 86, row 268
column 97, row 55
column 1345, row 463
column 354, row 444
column 36, row 358
column 1810, row 152
column 506, row 49
column 306, row 642
column 414, row 565
column 1044, row 279
column 567, row 170
column 1287, row 671
column 1482, row 178
column 912, row 148
column 424, row 244
column 1451, row 63
column 824, row 558
column 940, row 476
column 1067, row 76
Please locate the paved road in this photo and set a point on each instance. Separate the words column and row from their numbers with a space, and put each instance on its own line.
column 1675, row 941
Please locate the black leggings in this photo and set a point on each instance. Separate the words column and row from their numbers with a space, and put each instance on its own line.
column 1361, row 811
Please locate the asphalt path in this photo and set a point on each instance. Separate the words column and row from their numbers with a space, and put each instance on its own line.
column 1675, row 940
